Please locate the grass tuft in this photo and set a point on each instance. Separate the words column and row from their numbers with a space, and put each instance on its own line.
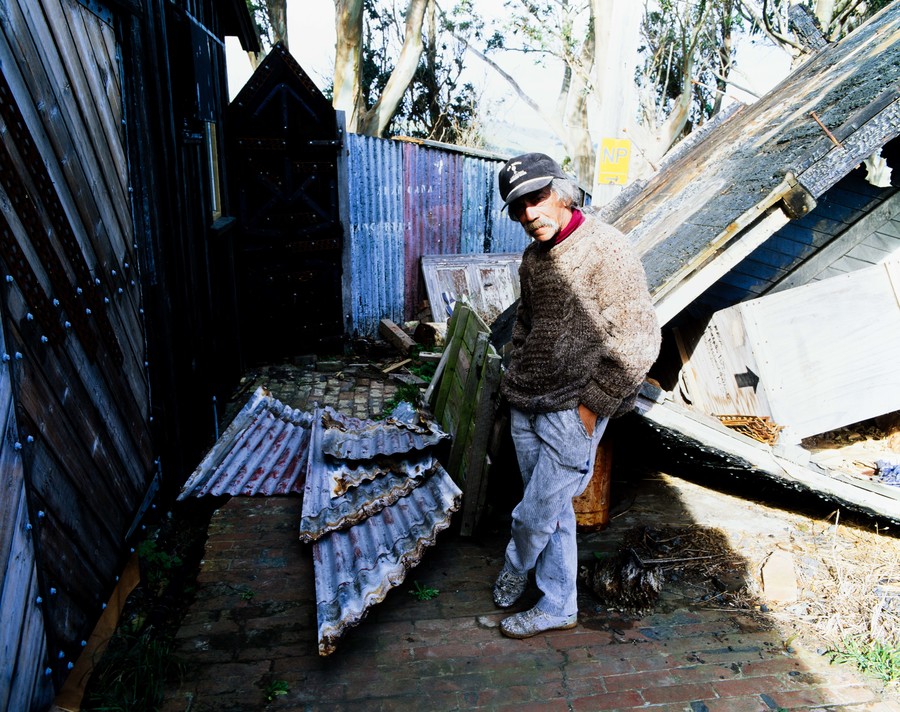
column 873, row 658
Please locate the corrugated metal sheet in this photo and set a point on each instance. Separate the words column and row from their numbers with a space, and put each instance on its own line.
column 385, row 482
column 264, row 450
column 356, row 567
column 432, row 212
column 350, row 438
column 375, row 240
column 407, row 200
column 369, row 498
column 374, row 496
column 484, row 227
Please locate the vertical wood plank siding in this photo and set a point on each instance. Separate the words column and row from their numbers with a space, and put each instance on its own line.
column 22, row 641
column 405, row 201
column 77, row 433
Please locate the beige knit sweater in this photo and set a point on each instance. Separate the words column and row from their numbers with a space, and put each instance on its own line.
column 586, row 330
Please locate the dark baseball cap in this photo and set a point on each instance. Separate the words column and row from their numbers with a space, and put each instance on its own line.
column 526, row 174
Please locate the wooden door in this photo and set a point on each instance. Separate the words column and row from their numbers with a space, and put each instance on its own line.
column 282, row 155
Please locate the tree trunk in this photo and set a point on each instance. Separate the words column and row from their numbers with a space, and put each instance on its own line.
column 376, row 121
column 278, row 19
column 617, row 26
column 577, row 140
column 348, row 20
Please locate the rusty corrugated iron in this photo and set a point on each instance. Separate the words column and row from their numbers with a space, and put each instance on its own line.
column 329, row 501
column 366, row 539
column 351, row 438
column 374, row 496
column 407, row 200
column 375, row 240
column 484, row 228
column 358, row 503
column 356, row 567
column 263, row 451
column 432, row 211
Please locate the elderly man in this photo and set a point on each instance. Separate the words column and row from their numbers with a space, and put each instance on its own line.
column 585, row 336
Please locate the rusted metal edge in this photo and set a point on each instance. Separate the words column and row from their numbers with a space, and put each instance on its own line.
column 356, row 567
column 364, row 501
column 350, row 438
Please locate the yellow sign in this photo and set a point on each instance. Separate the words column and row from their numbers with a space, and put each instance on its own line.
column 613, row 160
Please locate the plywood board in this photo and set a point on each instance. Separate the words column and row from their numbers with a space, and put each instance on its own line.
column 825, row 354
column 721, row 376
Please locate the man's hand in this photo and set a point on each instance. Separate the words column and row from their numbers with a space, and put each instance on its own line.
column 588, row 417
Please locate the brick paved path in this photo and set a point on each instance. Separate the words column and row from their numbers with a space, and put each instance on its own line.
column 252, row 626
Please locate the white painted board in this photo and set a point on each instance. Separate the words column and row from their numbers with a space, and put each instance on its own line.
column 826, row 354
column 490, row 282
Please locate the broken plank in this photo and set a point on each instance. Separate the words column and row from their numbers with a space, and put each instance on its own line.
column 477, row 460
column 455, row 332
column 395, row 366
column 467, row 408
column 395, row 336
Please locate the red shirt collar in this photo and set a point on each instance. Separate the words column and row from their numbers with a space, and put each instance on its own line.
column 577, row 219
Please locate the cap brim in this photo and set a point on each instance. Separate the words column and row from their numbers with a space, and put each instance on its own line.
column 529, row 186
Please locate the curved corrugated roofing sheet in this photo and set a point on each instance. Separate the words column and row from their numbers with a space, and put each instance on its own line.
column 263, row 451
column 356, row 567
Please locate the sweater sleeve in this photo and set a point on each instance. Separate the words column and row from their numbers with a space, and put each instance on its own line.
column 630, row 336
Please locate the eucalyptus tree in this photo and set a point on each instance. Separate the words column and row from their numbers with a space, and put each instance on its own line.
column 270, row 18
column 400, row 73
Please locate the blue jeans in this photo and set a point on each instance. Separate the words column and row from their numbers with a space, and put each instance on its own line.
column 556, row 458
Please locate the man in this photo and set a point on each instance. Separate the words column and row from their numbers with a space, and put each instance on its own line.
column 585, row 336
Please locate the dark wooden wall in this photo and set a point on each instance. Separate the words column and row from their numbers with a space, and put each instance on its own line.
column 117, row 306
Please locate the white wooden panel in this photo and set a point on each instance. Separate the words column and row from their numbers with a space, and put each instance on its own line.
column 827, row 352
column 723, row 371
column 490, row 282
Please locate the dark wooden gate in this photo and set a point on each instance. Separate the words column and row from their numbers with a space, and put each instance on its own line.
column 282, row 152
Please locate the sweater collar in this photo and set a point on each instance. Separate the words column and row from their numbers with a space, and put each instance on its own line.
column 576, row 220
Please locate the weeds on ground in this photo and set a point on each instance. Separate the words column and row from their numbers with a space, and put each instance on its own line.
column 874, row 658
column 409, row 392
column 423, row 593
column 276, row 688
column 157, row 565
column 423, row 369
column 849, row 581
column 132, row 673
column 405, row 392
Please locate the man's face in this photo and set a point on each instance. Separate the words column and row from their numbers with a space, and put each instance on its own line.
column 541, row 213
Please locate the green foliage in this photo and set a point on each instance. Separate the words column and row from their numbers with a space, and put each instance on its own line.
column 694, row 37
column 423, row 593
column 405, row 392
column 437, row 105
column 276, row 688
column 157, row 565
column 132, row 673
column 875, row 658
